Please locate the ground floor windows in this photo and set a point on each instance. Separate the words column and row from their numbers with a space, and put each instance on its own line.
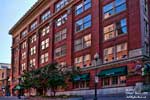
column 113, row 81
column 81, row 85
column 81, row 81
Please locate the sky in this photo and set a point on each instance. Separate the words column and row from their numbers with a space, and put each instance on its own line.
column 10, row 12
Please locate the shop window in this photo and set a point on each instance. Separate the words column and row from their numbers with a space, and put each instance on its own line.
column 106, row 81
column 81, row 85
column 114, row 80
column 122, row 79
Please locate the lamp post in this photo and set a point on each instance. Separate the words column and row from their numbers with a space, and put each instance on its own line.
column 96, row 58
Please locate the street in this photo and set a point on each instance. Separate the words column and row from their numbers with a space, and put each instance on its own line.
column 100, row 97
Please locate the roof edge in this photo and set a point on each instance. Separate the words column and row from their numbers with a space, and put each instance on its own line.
column 24, row 16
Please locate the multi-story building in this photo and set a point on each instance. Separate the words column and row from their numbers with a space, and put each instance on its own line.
column 4, row 79
column 71, row 32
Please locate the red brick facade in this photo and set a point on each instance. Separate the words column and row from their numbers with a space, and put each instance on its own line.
column 133, row 37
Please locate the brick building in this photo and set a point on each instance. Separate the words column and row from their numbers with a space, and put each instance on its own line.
column 71, row 32
column 4, row 79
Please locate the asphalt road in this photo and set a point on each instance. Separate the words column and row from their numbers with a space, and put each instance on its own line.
column 104, row 97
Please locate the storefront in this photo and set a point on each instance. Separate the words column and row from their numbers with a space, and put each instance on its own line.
column 113, row 77
column 81, row 81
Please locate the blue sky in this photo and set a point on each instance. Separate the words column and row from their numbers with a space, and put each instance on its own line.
column 10, row 12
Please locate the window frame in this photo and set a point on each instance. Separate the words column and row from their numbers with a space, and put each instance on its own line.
column 115, row 29
column 113, row 8
column 82, row 23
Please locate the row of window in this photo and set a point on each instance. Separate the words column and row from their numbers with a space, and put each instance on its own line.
column 106, row 82
column 113, row 53
column 110, row 9
column 113, row 81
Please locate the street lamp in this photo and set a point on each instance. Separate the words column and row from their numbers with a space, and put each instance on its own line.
column 96, row 58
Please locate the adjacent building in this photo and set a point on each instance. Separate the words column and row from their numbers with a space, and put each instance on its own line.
column 4, row 79
column 71, row 32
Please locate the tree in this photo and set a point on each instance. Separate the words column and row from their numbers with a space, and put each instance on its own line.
column 50, row 76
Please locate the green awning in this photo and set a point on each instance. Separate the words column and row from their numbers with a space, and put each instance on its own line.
column 81, row 77
column 85, row 77
column 76, row 78
column 113, row 72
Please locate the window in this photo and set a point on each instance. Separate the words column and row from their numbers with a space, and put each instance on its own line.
column 81, row 85
column 121, row 27
column 145, row 6
column 61, row 35
column 33, row 50
column 23, row 66
column 82, row 43
column 114, row 80
column 61, row 51
column 44, row 58
column 23, row 55
column 117, row 52
column 16, row 39
column 24, row 45
column 62, row 64
column 106, row 81
column 32, row 62
column 83, row 23
column 45, row 16
column 33, row 38
column 45, row 30
column 122, row 79
column 45, row 44
column 113, row 8
column 109, row 54
column 24, row 33
column 61, row 20
column 61, row 4
column 33, row 26
column 3, row 75
column 147, row 49
column 146, row 28
column 116, row 29
column 86, row 4
column 122, row 51
column 83, row 61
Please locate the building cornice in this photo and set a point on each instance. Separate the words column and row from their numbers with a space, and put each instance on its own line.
column 25, row 16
